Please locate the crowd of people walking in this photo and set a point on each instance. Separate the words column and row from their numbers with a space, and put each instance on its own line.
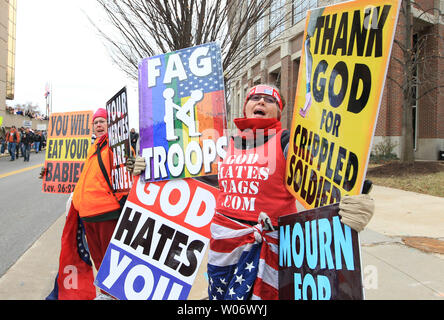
column 19, row 142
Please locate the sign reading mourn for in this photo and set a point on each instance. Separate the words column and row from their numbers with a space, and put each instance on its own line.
column 341, row 79
column 319, row 257
column 159, row 241
column 182, row 113
column 69, row 137
column 119, row 140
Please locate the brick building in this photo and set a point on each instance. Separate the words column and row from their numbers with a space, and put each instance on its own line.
column 277, row 62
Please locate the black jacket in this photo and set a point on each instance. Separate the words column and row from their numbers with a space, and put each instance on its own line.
column 27, row 138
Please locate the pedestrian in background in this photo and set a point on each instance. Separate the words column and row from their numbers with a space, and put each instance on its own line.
column 12, row 137
column 27, row 139
column 3, row 140
column 19, row 148
column 134, row 136
column 37, row 141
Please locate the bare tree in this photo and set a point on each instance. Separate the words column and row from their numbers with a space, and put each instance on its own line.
column 417, row 64
column 148, row 27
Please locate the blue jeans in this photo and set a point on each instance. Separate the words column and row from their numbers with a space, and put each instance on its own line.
column 26, row 151
column 3, row 147
column 37, row 146
column 11, row 149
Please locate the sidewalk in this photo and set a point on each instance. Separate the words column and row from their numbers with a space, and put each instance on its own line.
column 391, row 269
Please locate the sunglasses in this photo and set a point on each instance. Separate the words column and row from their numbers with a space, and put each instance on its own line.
column 267, row 99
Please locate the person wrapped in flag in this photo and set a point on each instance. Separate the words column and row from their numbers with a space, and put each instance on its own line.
column 243, row 255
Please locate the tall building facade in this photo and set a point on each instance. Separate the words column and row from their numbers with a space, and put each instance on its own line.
column 277, row 62
column 8, row 10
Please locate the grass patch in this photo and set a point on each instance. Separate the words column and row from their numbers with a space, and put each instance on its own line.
column 425, row 177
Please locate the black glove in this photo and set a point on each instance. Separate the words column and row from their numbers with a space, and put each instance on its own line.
column 42, row 173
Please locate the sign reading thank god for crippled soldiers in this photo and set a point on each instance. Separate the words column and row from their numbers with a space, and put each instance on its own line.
column 119, row 140
column 69, row 137
column 342, row 73
column 182, row 113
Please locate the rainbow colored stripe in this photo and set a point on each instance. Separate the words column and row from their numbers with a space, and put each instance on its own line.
column 209, row 112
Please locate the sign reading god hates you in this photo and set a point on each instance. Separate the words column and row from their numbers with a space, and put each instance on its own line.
column 69, row 137
column 343, row 68
column 119, row 140
column 319, row 257
column 182, row 113
column 159, row 241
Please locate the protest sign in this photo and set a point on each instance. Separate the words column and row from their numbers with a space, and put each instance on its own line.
column 182, row 113
column 69, row 137
column 319, row 257
column 119, row 140
column 341, row 80
column 159, row 241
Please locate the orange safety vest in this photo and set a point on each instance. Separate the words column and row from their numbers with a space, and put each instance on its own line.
column 92, row 196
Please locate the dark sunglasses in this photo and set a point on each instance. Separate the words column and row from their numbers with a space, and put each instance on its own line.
column 267, row 99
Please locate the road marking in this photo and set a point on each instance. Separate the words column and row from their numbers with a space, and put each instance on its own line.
column 20, row 171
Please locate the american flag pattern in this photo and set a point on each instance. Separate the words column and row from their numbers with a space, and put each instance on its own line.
column 210, row 83
column 242, row 261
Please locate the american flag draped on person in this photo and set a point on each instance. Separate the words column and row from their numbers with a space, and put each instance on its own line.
column 242, row 261
column 75, row 278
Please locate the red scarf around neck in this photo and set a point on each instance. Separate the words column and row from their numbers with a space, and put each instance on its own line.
column 248, row 127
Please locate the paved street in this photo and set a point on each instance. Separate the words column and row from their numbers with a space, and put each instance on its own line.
column 26, row 212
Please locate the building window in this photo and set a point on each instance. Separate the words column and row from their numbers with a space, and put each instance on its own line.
column 277, row 18
column 260, row 35
column 274, row 78
column 300, row 8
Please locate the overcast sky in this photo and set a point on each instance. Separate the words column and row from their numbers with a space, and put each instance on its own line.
column 56, row 43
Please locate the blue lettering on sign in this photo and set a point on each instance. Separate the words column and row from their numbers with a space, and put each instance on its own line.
column 128, row 277
column 343, row 243
column 320, row 288
column 315, row 245
column 311, row 254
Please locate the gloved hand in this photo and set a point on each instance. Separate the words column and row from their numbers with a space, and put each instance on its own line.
column 130, row 164
column 139, row 165
column 265, row 220
column 42, row 173
column 356, row 211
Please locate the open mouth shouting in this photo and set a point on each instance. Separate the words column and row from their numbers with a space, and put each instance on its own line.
column 259, row 112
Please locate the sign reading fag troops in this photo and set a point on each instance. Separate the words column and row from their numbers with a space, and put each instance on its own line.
column 69, row 137
column 182, row 113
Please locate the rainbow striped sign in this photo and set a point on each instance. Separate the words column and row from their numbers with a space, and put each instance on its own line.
column 182, row 113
